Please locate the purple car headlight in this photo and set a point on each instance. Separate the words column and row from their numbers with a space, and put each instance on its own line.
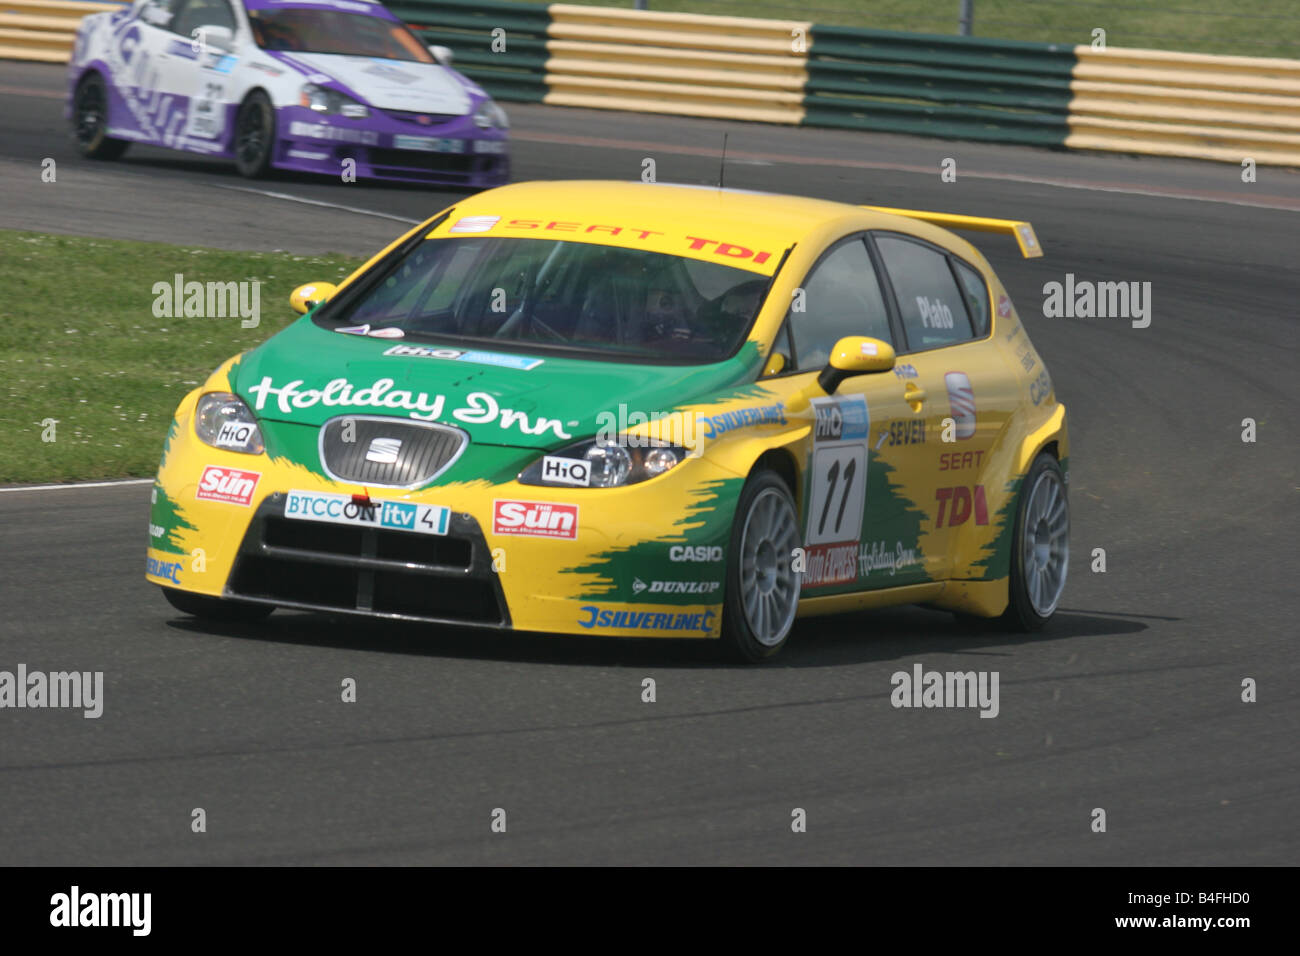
column 491, row 116
column 324, row 100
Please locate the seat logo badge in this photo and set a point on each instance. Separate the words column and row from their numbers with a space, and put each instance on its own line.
column 384, row 450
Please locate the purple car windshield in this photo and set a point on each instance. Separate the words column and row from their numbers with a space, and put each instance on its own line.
column 303, row 30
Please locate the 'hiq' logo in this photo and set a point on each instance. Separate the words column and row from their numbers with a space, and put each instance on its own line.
column 962, row 399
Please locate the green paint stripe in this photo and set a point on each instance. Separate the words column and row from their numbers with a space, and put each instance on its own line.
column 919, row 124
column 998, row 91
column 855, row 44
column 475, row 14
column 963, row 95
column 826, row 71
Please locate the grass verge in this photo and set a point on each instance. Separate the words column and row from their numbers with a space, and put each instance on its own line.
column 80, row 345
column 1261, row 28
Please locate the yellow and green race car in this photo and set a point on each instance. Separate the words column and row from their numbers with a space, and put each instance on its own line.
column 631, row 410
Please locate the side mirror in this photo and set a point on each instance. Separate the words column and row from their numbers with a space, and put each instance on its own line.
column 442, row 54
column 855, row 355
column 155, row 14
column 212, row 37
column 306, row 297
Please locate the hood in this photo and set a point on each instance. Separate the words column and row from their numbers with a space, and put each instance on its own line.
column 307, row 375
column 386, row 84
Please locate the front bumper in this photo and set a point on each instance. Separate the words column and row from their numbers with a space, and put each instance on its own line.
column 647, row 560
column 368, row 571
column 454, row 152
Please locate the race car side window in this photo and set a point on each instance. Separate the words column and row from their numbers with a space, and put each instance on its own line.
column 930, row 304
column 192, row 14
column 977, row 296
column 841, row 296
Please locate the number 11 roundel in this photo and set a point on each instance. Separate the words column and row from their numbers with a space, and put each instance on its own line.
column 837, row 491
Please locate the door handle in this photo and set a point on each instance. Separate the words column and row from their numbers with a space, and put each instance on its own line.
column 913, row 395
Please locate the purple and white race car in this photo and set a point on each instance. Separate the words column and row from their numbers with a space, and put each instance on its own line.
column 322, row 86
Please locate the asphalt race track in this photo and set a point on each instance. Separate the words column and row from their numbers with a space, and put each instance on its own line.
column 1130, row 702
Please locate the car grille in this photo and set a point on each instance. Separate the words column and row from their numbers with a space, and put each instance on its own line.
column 426, row 120
column 388, row 452
column 412, row 161
column 361, row 570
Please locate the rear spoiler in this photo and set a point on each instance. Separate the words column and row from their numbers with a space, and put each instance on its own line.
column 1022, row 232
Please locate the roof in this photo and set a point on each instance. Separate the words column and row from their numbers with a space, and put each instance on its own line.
column 732, row 226
column 736, row 227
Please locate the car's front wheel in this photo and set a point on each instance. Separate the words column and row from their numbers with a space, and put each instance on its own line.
column 255, row 135
column 762, row 585
column 215, row 609
column 90, row 120
column 1040, row 556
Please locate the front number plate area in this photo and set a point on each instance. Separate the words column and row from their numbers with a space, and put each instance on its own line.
column 378, row 513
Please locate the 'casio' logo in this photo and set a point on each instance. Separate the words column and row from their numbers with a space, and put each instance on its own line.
column 702, row 553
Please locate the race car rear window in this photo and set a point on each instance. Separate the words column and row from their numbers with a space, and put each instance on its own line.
column 590, row 300
column 977, row 296
column 298, row 30
column 931, row 306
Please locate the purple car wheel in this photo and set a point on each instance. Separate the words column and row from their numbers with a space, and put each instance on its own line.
column 90, row 120
column 255, row 135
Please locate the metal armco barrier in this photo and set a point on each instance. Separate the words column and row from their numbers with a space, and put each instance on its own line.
column 1223, row 108
column 502, row 46
column 1000, row 91
column 43, row 29
column 1226, row 108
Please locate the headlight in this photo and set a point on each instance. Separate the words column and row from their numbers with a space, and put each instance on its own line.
column 324, row 100
column 223, row 421
column 600, row 463
column 491, row 116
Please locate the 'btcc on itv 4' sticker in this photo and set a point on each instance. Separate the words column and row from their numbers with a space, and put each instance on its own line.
column 375, row 513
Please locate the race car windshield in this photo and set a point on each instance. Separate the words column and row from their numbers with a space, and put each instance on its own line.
column 329, row 31
column 597, row 301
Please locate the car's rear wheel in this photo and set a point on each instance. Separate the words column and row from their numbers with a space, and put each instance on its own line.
column 762, row 586
column 215, row 609
column 1040, row 556
column 255, row 135
column 90, row 120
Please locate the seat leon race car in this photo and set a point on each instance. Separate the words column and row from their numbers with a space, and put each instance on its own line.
column 340, row 87
column 631, row 410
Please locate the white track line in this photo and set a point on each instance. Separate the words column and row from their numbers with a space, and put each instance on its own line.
column 1277, row 203
column 317, row 202
column 82, row 484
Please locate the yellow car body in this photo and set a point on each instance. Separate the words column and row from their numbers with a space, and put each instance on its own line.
column 928, row 454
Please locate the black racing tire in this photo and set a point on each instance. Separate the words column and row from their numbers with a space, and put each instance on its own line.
column 255, row 135
column 215, row 609
column 90, row 120
column 762, row 586
column 1040, row 553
